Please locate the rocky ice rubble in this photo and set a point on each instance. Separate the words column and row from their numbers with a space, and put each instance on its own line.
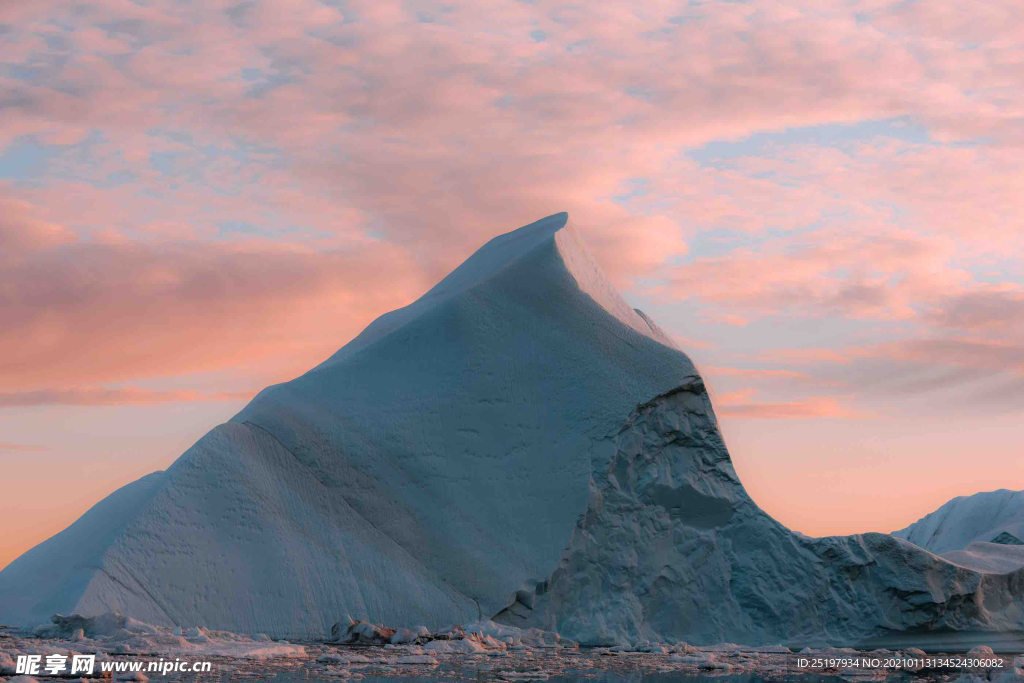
column 517, row 445
column 473, row 637
column 482, row 650
column 116, row 634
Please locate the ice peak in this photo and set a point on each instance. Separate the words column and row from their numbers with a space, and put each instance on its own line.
column 520, row 255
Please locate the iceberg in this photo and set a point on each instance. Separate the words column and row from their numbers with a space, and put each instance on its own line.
column 518, row 444
column 422, row 474
column 982, row 531
column 987, row 517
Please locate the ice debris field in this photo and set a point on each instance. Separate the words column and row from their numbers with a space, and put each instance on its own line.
column 518, row 449
column 474, row 651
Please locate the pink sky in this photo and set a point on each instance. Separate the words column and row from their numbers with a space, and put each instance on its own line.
column 820, row 200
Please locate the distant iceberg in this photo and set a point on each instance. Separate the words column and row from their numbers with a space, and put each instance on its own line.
column 982, row 531
column 990, row 517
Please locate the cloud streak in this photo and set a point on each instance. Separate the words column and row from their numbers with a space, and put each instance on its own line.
column 96, row 312
column 741, row 405
column 102, row 396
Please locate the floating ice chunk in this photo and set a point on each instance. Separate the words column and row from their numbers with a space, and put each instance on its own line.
column 861, row 674
column 330, row 658
column 715, row 664
column 136, row 626
column 409, row 635
column 701, row 660
column 353, row 632
column 722, row 647
column 461, row 646
column 101, row 625
column 271, row 651
column 416, row 659
column 536, row 675
column 777, row 649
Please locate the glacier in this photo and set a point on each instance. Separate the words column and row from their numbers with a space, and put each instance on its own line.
column 517, row 444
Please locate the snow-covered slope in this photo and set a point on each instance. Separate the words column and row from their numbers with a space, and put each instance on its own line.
column 420, row 475
column 50, row 577
column 980, row 518
column 518, row 442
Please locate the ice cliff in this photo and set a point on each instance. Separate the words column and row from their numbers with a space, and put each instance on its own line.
column 672, row 548
column 518, row 442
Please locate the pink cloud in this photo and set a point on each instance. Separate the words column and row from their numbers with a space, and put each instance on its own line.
column 23, row 230
column 806, row 355
column 776, row 66
column 740, row 404
column 994, row 310
column 423, row 129
column 756, row 372
column 874, row 273
column 103, row 396
column 728, row 319
column 82, row 312
column 914, row 375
